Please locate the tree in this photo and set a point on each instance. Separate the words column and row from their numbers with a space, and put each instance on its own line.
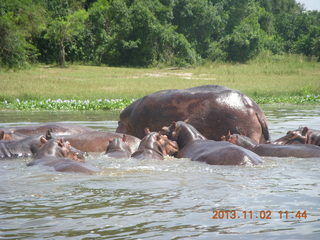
column 247, row 38
column 138, row 33
column 64, row 29
column 20, row 20
column 199, row 21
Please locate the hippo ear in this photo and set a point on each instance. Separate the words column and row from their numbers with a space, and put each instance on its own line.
column 67, row 143
column 146, row 131
column 60, row 142
column 110, row 140
column 304, row 131
column 1, row 135
column 48, row 135
column 124, row 138
column 158, row 137
column 173, row 125
column 43, row 140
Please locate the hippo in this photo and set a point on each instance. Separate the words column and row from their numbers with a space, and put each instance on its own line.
column 274, row 150
column 25, row 147
column 155, row 146
column 212, row 109
column 303, row 135
column 59, row 155
column 5, row 136
column 194, row 145
column 55, row 127
column 8, row 136
column 118, row 148
column 97, row 141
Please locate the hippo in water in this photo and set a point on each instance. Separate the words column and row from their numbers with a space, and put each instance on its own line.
column 213, row 110
column 155, row 146
column 59, row 155
column 54, row 127
column 303, row 135
column 8, row 136
column 25, row 147
column 194, row 145
column 275, row 150
column 98, row 141
column 118, row 148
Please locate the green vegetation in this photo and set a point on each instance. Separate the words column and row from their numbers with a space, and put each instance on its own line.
column 153, row 33
column 267, row 79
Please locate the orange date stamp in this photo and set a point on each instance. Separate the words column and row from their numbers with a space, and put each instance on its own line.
column 263, row 214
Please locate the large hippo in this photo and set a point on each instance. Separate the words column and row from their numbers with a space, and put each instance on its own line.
column 303, row 135
column 59, row 155
column 98, row 141
column 193, row 145
column 213, row 110
column 54, row 127
column 275, row 150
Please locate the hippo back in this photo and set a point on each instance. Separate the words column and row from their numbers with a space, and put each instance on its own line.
column 55, row 127
column 65, row 165
column 213, row 110
column 219, row 153
column 97, row 141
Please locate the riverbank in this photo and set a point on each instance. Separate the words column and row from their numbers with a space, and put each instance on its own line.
column 267, row 79
column 114, row 104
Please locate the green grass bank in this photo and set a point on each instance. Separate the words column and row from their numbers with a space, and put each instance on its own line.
column 267, row 79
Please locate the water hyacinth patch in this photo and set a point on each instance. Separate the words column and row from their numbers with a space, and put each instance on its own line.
column 60, row 104
column 308, row 99
column 118, row 104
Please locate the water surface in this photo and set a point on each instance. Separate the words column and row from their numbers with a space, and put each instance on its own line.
column 170, row 199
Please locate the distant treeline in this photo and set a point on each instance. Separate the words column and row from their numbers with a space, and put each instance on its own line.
column 153, row 32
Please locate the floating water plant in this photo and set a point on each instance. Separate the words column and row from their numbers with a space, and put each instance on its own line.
column 60, row 104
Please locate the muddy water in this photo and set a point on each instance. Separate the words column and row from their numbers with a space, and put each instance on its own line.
column 170, row 199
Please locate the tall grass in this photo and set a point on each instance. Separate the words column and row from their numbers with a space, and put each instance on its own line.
column 265, row 77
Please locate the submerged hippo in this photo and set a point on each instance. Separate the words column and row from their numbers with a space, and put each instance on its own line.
column 302, row 135
column 96, row 141
column 59, row 155
column 54, row 127
column 118, row 148
column 194, row 145
column 275, row 150
column 213, row 110
column 7, row 136
column 25, row 147
column 155, row 146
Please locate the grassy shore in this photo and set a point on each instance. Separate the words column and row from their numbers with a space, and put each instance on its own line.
column 267, row 79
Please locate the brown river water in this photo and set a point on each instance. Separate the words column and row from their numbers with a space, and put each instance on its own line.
column 169, row 199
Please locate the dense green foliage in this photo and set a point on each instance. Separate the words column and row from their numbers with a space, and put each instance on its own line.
column 153, row 32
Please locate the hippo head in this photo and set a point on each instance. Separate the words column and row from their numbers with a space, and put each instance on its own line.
column 171, row 131
column 60, row 148
column 182, row 132
column 166, row 146
column 239, row 140
column 5, row 136
column 294, row 137
column 118, row 144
